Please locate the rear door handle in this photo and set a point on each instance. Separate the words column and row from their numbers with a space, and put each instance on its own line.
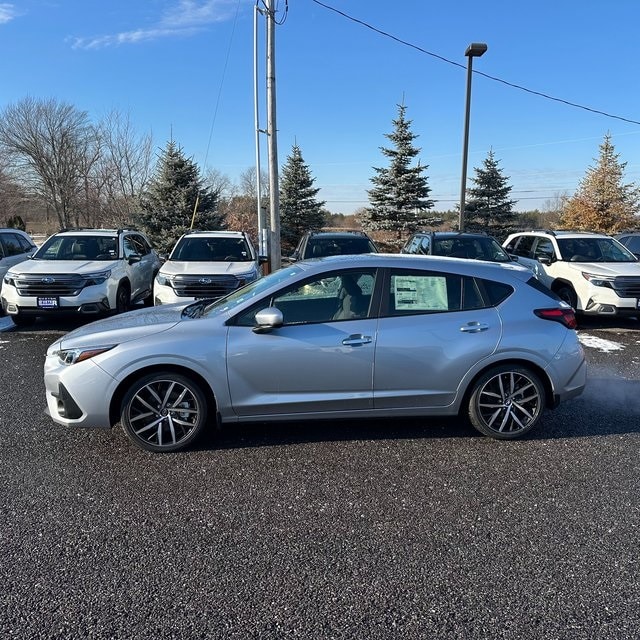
column 355, row 340
column 474, row 327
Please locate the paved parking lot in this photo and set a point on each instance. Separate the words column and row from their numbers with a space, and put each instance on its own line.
column 396, row 529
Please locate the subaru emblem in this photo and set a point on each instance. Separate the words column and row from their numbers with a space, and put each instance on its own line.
column 48, row 280
column 205, row 281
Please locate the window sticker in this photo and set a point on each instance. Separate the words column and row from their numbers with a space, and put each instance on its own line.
column 418, row 293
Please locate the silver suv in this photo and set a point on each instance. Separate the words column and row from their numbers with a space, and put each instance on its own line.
column 86, row 271
column 592, row 272
column 206, row 264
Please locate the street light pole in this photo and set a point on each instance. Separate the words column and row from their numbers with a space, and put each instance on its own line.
column 474, row 50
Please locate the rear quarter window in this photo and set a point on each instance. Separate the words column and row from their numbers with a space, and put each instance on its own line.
column 494, row 292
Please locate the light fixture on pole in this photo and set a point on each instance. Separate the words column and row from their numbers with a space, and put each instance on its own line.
column 474, row 50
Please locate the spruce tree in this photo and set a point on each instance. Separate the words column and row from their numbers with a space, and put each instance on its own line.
column 603, row 202
column 400, row 196
column 489, row 208
column 299, row 209
column 174, row 191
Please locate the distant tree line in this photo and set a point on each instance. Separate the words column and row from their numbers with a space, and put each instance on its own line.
column 58, row 169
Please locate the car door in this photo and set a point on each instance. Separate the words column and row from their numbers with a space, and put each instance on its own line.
column 433, row 328
column 313, row 363
column 139, row 270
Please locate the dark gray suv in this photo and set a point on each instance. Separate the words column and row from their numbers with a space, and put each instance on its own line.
column 318, row 244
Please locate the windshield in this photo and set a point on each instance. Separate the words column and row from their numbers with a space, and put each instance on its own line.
column 198, row 249
column 594, row 250
column 81, row 247
column 248, row 292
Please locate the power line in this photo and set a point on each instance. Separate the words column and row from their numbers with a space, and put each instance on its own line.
column 480, row 73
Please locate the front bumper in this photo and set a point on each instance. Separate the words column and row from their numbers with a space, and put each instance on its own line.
column 90, row 301
column 78, row 395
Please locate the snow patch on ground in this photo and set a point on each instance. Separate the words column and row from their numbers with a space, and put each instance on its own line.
column 599, row 343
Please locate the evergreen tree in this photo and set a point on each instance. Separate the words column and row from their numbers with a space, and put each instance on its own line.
column 299, row 209
column 603, row 202
column 399, row 198
column 489, row 207
column 174, row 192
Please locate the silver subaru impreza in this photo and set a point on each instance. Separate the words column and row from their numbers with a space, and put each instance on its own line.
column 373, row 335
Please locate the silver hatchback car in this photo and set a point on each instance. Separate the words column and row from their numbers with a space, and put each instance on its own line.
column 376, row 335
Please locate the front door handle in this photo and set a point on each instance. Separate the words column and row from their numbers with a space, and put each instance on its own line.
column 355, row 340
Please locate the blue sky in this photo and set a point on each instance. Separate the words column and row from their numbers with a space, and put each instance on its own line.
column 184, row 69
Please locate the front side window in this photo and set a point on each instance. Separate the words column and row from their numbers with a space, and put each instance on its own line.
column 544, row 249
column 12, row 246
column 337, row 296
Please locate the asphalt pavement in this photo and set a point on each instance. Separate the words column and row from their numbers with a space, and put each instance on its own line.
column 410, row 529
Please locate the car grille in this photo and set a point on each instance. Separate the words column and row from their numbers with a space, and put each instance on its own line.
column 203, row 286
column 627, row 286
column 59, row 285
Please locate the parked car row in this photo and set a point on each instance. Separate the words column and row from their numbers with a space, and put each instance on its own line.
column 352, row 333
column 101, row 271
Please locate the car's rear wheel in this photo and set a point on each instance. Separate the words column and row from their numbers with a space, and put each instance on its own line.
column 507, row 402
column 123, row 298
column 164, row 412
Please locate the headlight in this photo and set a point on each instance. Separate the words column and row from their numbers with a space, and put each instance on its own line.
column 163, row 280
column 72, row 356
column 597, row 280
column 10, row 278
column 249, row 276
column 97, row 278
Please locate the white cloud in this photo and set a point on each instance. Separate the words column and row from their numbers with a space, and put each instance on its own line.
column 182, row 19
column 7, row 12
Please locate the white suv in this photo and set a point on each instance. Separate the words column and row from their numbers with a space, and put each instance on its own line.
column 206, row 264
column 87, row 271
column 593, row 272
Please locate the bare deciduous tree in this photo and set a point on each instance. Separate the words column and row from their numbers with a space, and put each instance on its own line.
column 52, row 144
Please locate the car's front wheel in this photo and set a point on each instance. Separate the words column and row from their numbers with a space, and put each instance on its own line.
column 567, row 294
column 23, row 321
column 123, row 298
column 506, row 402
column 164, row 412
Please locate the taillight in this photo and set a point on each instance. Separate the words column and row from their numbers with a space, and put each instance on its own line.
column 567, row 317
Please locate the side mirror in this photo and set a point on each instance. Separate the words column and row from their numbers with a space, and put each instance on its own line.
column 263, row 259
column 268, row 319
column 545, row 259
column 133, row 258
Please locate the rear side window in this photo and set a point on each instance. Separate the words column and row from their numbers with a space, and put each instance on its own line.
column 417, row 292
column 521, row 246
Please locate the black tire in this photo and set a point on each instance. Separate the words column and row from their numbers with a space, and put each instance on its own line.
column 23, row 321
column 568, row 295
column 123, row 298
column 164, row 412
column 506, row 402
